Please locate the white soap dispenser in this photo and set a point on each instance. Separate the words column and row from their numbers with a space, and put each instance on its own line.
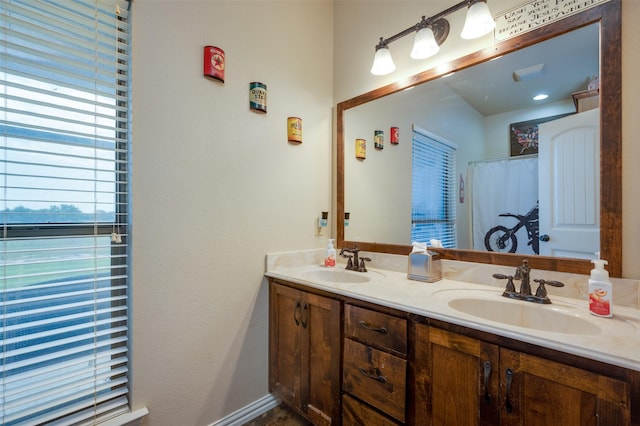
column 330, row 258
column 600, row 291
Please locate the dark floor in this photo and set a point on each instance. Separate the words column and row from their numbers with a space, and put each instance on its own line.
column 279, row 416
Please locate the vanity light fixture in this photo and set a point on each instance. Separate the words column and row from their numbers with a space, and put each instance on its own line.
column 431, row 32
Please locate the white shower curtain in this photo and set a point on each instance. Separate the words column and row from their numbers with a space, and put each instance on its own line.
column 503, row 186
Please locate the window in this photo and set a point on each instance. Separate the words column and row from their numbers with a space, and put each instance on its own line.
column 64, row 164
column 433, row 204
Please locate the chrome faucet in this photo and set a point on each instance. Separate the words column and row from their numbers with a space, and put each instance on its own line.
column 523, row 274
column 354, row 263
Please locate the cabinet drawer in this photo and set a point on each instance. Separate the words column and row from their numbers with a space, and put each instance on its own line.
column 376, row 329
column 355, row 413
column 376, row 377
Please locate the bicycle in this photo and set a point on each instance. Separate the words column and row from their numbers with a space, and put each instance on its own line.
column 503, row 239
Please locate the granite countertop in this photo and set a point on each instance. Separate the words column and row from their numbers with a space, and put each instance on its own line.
column 611, row 340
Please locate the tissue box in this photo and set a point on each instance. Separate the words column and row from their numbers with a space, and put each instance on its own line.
column 425, row 266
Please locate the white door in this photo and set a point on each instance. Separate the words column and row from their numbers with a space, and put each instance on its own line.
column 569, row 185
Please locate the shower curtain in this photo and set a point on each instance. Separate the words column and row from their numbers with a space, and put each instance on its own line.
column 505, row 186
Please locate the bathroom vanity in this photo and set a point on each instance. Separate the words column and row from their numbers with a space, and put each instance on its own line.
column 378, row 349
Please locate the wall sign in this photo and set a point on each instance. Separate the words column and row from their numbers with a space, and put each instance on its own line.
column 361, row 149
column 294, row 129
column 537, row 13
column 394, row 135
column 258, row 96
column 214, row 63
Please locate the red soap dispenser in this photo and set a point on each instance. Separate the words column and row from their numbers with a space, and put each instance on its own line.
column 330, row 258
column 600, row 291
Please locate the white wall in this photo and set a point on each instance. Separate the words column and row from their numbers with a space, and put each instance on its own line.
column 358, row 26
column 217, row 186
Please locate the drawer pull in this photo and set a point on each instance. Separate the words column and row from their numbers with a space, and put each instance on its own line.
column 487, row 373
column 507, row 402
column 304, row 318
column 296, row 314
column 375, row 375
column 371, row 327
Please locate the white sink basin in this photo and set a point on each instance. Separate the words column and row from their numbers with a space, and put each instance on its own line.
column 340, row 276
column 527, row 315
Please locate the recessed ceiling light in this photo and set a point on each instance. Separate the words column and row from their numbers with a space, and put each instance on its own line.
column 540, row 97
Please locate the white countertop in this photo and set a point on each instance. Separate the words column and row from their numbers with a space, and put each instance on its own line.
column 615, row 340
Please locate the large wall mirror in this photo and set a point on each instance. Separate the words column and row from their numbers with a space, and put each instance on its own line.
column 447, row 101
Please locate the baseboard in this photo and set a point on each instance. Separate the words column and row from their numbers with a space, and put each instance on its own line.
column 249, row 412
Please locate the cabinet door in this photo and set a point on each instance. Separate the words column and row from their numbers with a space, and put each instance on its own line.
column 461, row 379
column 544, row 392
column 320, row 320
column 285, row 344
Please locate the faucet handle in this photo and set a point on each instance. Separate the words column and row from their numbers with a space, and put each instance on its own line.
column 510, row 287
column 542, row 290
column 363, row 267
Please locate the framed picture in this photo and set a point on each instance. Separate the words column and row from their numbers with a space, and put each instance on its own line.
column 523, row 136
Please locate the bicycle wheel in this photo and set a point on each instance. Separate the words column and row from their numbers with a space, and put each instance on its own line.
column 500, row 238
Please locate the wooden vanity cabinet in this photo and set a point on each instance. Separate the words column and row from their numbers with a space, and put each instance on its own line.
column 304, row 352
column 338, row 360
column 463, row 380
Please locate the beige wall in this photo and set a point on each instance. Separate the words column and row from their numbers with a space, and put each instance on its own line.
column 358, row 26
column 217, row 186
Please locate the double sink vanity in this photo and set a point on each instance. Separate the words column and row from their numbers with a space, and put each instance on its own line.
column 375, row 348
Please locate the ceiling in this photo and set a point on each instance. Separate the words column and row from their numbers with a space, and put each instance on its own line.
column 567, row 63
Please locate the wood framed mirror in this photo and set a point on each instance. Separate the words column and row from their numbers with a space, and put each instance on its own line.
column 608, row 16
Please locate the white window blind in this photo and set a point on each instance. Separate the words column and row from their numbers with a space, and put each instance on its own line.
column 64, row 155
column 433, row 202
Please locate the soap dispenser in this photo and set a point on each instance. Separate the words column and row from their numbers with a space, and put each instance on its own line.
column 330, row 258
column 600, row 291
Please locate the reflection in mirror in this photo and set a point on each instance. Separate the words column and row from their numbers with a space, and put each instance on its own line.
column 385, row 188
column 472, row 109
